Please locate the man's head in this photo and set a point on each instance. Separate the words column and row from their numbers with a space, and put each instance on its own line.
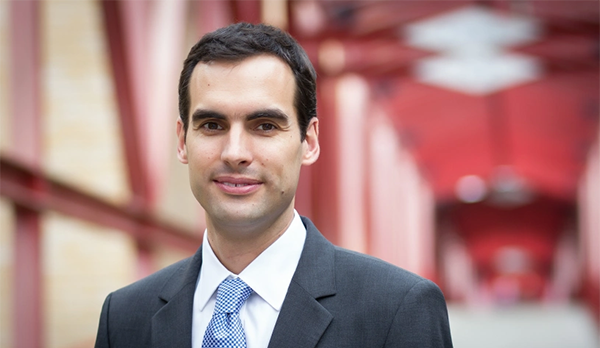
column 242, row 40
column 245, row 131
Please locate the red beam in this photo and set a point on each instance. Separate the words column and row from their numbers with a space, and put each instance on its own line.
column 124, row 88
column 25, row 81
column 591, row 294
column 26, row 144
column 247, row 11
column 212, row 15
column 371, row 19
column 369, row 57
column 325, row 172
column 377, row 17
column 28, row 275
column 33, row 190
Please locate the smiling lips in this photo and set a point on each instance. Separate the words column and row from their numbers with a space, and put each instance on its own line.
column 237, row 186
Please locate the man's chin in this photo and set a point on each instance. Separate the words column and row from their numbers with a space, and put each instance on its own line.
column 239, row 218
column 249, row 220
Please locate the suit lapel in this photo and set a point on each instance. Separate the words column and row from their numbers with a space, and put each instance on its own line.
column 302, row 320
column 172, row 324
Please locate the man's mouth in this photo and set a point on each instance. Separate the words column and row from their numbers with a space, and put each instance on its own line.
column 230, row 184
column 237, row 185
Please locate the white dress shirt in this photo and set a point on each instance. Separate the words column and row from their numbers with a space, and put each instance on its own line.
column 269, row 275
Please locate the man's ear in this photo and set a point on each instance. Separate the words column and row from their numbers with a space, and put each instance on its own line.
column 181, row 148
column 311, row 143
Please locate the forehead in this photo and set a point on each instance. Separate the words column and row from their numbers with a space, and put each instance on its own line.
column 265, row 62
column 259, row 80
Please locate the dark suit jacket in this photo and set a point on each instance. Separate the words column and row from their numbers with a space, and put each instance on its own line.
column 337, row 298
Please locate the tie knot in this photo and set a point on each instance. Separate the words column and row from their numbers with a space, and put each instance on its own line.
column 231, row 295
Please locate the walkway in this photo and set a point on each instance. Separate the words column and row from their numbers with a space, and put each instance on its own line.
column 523, row 326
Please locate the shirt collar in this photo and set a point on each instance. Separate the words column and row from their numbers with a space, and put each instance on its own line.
column 269, row 275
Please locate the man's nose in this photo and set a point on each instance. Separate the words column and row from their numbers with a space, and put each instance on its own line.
column 237, row 151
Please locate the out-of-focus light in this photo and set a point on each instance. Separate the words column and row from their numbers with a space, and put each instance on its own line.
column 274, row 12
column 471, row 189
column 332, row 57
column 472, row 28
column 308, row 17
column 475, row 45
column 512, row 260
column 509, row 189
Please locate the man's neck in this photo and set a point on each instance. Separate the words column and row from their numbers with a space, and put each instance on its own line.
column 236, row 249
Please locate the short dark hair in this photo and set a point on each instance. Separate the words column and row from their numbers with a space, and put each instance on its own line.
column 243, row 40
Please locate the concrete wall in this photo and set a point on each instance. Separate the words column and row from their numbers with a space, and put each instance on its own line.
column 82, row 263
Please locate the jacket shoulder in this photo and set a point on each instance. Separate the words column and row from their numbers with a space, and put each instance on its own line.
column 408, row 310
column 356, row 266
column 126, row 315
column 386, row 286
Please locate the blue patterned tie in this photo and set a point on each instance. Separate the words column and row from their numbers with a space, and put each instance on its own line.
column 225, row 328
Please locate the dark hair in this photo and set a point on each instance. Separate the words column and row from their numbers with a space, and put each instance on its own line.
column 243, row 40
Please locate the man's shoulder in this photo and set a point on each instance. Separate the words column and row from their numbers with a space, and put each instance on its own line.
column 357, row 270
column 359, row 276
column 359, row 266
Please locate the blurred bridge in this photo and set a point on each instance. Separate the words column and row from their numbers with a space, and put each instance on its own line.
column 459, row 140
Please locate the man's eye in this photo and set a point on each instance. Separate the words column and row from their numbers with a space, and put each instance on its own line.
column 266, row 127
column 211, row 126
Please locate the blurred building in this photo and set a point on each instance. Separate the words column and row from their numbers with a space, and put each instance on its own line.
column 459, row 140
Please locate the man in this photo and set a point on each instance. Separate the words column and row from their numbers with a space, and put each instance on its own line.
column 264, row 276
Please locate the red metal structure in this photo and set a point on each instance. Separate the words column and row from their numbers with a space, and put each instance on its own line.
column 526, row 144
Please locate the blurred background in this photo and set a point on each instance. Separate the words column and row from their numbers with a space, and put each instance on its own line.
column 459, row 140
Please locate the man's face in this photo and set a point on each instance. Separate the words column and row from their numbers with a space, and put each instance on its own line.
column 243, row 143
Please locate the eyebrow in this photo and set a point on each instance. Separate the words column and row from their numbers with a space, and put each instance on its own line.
column 202, row 114
column 274, row 114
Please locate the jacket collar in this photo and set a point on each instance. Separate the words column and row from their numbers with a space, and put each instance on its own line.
column 303, row 320
column 172, row 324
